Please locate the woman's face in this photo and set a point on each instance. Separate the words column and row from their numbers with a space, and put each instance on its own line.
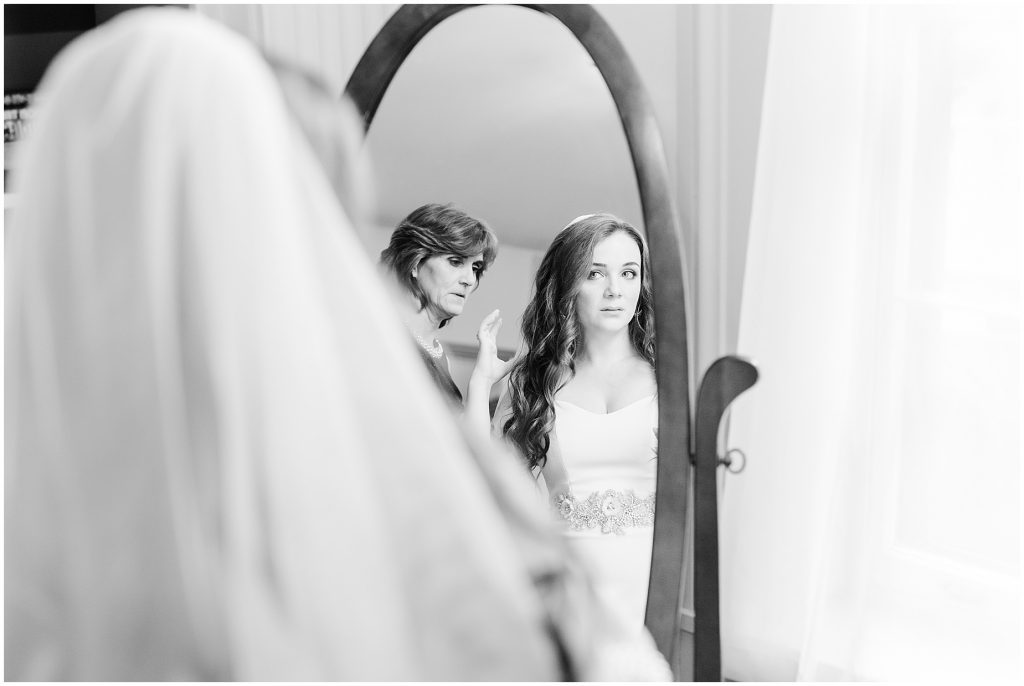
column 447, row 280
column 610, row 291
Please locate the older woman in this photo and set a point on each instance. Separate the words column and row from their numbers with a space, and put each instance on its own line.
column 438, row 255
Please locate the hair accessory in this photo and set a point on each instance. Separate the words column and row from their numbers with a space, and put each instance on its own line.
column 579, row 218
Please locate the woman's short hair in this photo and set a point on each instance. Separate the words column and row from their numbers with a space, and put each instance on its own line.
column 436, row 229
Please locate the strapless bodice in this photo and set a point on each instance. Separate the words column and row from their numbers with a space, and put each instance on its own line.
column 610, row 467
column 614, row 450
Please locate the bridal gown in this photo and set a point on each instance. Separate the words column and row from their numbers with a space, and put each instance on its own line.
column 605, row 497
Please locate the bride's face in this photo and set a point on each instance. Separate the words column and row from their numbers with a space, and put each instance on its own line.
column 610, row 291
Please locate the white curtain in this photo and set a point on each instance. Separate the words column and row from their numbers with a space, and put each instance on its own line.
column 875, row 533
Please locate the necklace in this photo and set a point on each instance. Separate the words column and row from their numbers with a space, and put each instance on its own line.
column 434, row 350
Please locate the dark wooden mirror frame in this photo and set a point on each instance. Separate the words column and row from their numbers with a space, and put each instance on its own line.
column 724, row 380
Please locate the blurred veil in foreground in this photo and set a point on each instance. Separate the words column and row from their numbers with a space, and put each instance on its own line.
column 223, row 461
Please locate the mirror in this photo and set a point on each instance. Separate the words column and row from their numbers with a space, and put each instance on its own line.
column 521, row 205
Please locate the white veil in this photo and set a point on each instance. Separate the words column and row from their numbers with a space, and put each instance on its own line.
column 223, row 460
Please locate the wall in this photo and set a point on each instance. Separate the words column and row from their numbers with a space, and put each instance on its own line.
column 327, row 39
column 730, row 59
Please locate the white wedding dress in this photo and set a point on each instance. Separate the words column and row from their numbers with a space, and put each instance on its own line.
column 605, row 470
column 600, row 473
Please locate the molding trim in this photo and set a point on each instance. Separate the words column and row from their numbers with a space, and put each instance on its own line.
column 711, row 64
column 466, row 351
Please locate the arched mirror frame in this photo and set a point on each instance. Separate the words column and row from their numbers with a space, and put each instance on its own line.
column 725, row 380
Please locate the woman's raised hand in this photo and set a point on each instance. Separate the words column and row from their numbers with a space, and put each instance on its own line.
column 489, row 367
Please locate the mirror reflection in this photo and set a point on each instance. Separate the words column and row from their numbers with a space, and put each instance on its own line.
column 549, row 339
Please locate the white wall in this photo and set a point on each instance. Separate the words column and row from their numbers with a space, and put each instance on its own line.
column 327, row 39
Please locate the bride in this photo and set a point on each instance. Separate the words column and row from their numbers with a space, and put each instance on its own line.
column 582, row 407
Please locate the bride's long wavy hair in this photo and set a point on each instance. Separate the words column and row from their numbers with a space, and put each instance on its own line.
column 552, row 333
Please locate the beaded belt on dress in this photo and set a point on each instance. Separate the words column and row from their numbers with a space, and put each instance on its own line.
column 610, row 510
